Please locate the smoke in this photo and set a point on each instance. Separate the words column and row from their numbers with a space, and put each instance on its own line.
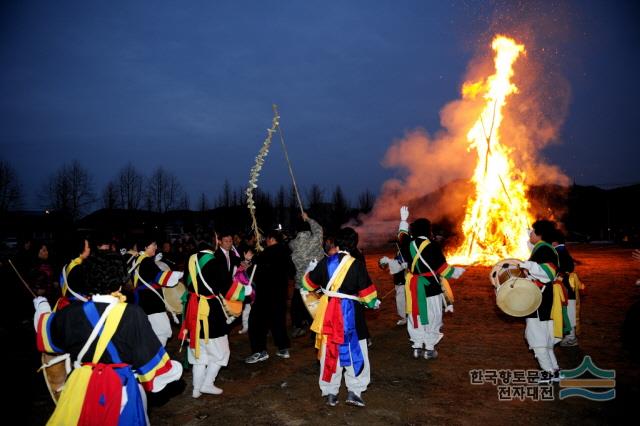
column 428, row 165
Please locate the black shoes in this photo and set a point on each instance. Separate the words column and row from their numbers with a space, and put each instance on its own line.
column 355, row 400
column 332, row 400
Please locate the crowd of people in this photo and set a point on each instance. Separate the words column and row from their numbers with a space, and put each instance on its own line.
column 107, row 296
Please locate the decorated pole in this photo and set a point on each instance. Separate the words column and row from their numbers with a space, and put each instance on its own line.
column 255, row 173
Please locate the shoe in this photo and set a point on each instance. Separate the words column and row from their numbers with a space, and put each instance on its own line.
column 196, row 393
column 355, row 400
column 430, row 354
column 211, row 389
column 283, row 353
column 568, row 342
column 257, row 357
column 298, row 332
column 417, row 353
column 401, row 322
column 243, row 330
column 332, row 400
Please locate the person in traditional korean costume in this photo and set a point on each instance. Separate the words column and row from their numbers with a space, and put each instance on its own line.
column 426, row 267
column 339, row 323
column 116, row 354
column 208, row 316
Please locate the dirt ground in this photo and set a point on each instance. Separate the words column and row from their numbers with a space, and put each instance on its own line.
column 477, row 336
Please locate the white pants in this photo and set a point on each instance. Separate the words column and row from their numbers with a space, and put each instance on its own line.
column 215, row 352
column 213, row 356
column 246, row 310
column 539, row 335
column 401, row 302
column 355, row 384
column 571, row 313
column 429, row 334
column 161, row 326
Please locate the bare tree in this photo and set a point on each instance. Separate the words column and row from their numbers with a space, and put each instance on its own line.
column 315, row 196
column 110, row 196
column 366, row 201
column 184, row 203
column 339, row 207
column 239, row 197
column 225, row 199
column 130, row 185
column 164, row 191
column 281, row 206
column 69, row 189
column 204, row 204
column 10, row 189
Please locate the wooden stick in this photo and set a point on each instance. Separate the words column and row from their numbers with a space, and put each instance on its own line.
column 393, row 289
column 21, row 279
column 286, row 156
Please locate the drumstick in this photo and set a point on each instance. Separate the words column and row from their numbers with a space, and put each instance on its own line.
column 21, row 279
column 252, row 272
column 389, row 292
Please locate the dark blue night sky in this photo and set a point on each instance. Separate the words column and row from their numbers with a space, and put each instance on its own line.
column 189, row 85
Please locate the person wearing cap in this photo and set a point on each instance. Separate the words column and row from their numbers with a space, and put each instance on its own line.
column 112, row 345
column 73, row 274
column 269, row 309
column 426, row 266
column 571, row 285
column 339, row 323
column 148, row 279
column 542, row 268
column 206, row 323
column 397, row 267
column 306, row 247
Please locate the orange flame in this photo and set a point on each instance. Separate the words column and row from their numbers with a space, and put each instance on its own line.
column 497, row 217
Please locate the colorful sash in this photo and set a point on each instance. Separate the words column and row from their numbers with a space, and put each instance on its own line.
column 334, row 323
column 197, row 313
column 93, row 392
column 578, row 286
column 561, row 324
column 65, row 300
column 414, row 289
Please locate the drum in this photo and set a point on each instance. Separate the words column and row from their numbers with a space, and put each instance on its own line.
column 311, row 301
column 516, row 295
column 447, row 291
column 232, row 308
column 54, row 370
column 504, row 270
column 173, row 297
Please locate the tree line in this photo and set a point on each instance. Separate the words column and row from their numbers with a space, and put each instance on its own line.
column 71, row 189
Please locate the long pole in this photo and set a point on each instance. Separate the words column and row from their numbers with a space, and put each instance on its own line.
column 21, row 279
column 286, row 156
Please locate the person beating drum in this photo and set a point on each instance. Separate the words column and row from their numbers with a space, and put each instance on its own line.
column 542, row 267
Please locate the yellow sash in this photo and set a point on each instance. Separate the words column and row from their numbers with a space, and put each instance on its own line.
column 203, row 307
column 409, row 275
column 69, row 406
column 556, row 310
column 137, row 263
column 577, row 285
column 318, row 321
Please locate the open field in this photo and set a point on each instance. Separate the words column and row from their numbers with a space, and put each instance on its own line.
column 407, row 391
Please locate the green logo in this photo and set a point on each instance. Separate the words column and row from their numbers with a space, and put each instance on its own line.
column 573, row 385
